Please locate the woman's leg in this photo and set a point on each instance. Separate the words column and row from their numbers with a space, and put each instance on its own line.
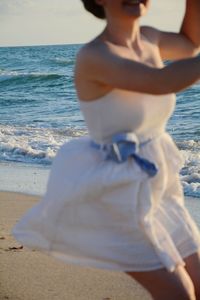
column 164, row 285
column 193, row 269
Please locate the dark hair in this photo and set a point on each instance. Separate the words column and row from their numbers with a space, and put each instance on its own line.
column 94, row 8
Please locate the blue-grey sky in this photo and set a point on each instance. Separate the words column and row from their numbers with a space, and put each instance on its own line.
column 43, row 22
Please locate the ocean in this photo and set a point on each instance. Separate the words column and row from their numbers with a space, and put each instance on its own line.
column 39, row 111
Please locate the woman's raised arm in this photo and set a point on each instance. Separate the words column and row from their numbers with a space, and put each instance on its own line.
column 191, row 22
column 186, row 42
column 102, row 66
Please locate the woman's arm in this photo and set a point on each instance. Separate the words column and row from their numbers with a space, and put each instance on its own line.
column 185, row 43
column 102, row 66
column 191, row 22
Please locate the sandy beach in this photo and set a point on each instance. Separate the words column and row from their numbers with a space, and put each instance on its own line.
column 29, row 275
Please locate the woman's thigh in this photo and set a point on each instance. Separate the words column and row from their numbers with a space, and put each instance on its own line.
column 164, row 285
column 193, row 269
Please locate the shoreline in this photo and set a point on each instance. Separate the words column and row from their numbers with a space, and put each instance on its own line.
column 23, row 178
column 31, row 179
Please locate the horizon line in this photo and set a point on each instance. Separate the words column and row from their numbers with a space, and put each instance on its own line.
column 39, row 45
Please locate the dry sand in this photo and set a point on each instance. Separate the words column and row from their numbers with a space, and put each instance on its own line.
column 29, row 275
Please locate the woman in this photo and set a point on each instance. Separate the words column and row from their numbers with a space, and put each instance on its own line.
column 114, row 200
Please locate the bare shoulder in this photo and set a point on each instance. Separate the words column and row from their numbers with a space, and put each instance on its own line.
column 92, row 52
column 91, row 57
column 85, row 57
column 85, row 52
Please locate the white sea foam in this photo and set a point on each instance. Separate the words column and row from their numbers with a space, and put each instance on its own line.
column 34, row 145
column 62, row 61
column 190, row 174
column 9, row 74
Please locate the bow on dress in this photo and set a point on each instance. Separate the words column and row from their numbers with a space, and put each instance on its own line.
column 123, row 146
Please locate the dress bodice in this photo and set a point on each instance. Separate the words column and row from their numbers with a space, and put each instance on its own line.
column 125, row 111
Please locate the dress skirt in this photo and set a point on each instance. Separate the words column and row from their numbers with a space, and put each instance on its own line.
column 102, row 214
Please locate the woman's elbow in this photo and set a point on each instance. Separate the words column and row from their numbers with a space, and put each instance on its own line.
column 195, row 51
column 194, row 48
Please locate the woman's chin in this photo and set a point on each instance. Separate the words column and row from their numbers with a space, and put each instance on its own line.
column 136, row 12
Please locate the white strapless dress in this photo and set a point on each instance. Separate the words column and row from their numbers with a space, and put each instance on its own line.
column 110, row 215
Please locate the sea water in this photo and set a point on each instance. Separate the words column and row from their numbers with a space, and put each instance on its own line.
column 39, row 111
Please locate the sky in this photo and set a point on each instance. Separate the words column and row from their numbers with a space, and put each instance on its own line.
column 50, row 22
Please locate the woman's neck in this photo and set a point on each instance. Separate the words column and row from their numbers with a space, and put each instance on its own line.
column 126, row 34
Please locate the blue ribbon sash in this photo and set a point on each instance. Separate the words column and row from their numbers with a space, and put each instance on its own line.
column 123, row 146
